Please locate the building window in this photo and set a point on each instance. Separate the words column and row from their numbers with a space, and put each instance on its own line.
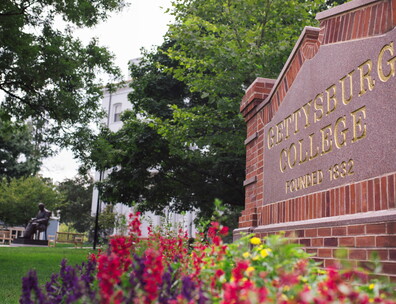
column 117, row 112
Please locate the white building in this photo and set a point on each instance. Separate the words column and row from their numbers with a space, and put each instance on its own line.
column 114, row 103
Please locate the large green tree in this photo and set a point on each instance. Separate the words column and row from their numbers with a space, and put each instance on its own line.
column 18, row 155
column 19, row 199
column 46, row 74
column 182, row 143
column 75, row 208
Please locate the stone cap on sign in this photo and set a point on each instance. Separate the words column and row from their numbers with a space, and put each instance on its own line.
column 343, row 8
column 255, row 94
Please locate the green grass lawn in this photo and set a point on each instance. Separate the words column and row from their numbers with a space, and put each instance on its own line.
column 15, row 262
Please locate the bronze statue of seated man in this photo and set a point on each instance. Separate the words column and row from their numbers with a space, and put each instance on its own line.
column 39, row 223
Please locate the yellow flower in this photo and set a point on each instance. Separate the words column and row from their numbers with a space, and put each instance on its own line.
column 371, row 286
column 255, row 258
column 286, row 288
column 264, row 252
column 249, row 269
column 371, row 300
column 246, row 254
column 255, row 241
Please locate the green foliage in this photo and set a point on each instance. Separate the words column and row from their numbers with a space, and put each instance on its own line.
column 75, row 209
column 182, row 142
column 107, row 220
column 153, row 169
column 19, row 157
column 19, row 199
column 46, row 74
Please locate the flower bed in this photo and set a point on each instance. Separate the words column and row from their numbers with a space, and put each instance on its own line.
column 171, row 268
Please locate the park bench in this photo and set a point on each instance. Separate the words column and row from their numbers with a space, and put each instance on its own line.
column 67, row 237
column 5, row 236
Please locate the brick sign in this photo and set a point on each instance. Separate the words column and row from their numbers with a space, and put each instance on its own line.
column 337, row 123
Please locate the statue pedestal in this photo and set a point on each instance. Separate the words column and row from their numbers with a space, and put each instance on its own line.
column 29, row 242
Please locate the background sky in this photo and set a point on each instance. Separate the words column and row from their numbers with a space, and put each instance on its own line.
column 142, row 24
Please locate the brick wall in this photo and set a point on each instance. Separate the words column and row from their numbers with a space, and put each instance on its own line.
column 360, row 216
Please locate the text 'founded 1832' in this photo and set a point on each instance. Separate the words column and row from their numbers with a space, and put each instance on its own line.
column 337, row 123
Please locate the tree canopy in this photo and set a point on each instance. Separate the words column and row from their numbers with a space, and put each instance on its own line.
column 182, row 143
column 75, row 208
column 18, row 155
column 19, row 199
column 48, row 76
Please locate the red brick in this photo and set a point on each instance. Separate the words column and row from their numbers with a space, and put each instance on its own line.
column 370, row 195
column 372, row 20
column 325, row 252
column 330, row 242
column 350, row 27
column 392, row 255
column 339, row 231
column 342, row 200
column 341, row 28
column 384, row 193
column 365, row 241
column 377, row 194
column 327, row 200
column 391, row 191
column 311, row 232
column 347, row 200
column 345, row 27
column 389, row 267
column 347, row 242
column 358, row 254
column 311, row 251
column 391, row 228
column 353, row 199
column 357, row 229
column 305, row 242
column 300, row 233
column 364, row 196
column 378, row 19
column 358, row 196
column 376, row 228
column 317, row 242
column 331, row 263
column 332, row 203
column 383, row 254
column 366, row 22
column 324, row 231
column 386, row 241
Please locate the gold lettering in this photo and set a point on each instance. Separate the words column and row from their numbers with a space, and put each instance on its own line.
column 366, row 76
column 320, row 176
column 390, row 62
column 337, row 142
column 312, row 156
column 270, row 138
column 318, row 107
column 292, row 164
column 295, row 114
column 287, row 120
column 306, row 108
column 331, row 97
column 345, row 101
column 301, row 152
column 327, row 144
column 282, row 168
column 357, row 124
column 279, row 134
